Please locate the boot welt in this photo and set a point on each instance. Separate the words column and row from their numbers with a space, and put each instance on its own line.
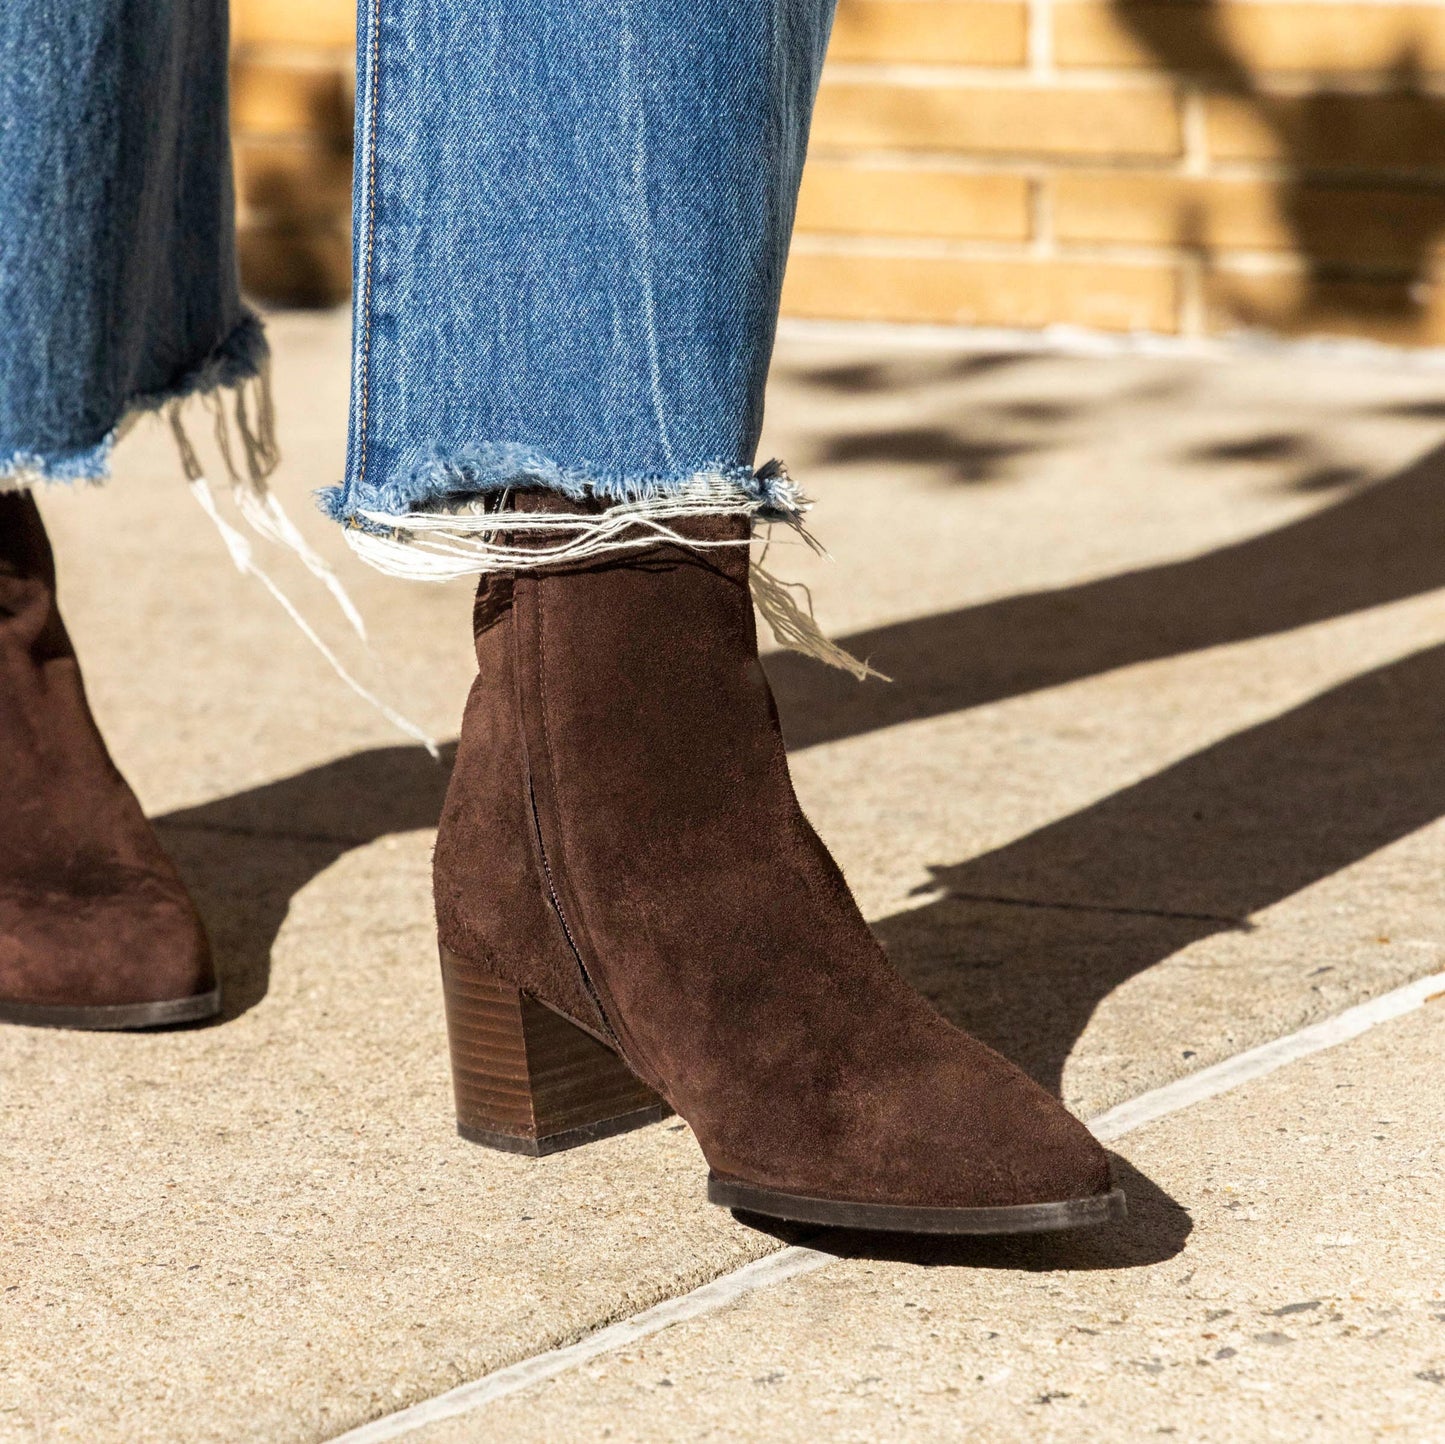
column 110, row 1017
column 899, row 1218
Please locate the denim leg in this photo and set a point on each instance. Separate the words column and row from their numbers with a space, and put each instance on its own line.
column 571, row 225
column 117, row 255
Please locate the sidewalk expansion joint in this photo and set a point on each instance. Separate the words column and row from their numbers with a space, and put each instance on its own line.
column 797, row 1259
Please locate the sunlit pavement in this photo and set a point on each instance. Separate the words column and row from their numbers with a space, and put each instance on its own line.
column 1159, row 778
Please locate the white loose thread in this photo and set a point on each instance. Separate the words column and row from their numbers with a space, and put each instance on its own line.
column 440, row 546
column 263, row 512
column 255, row 500
column 795, row 627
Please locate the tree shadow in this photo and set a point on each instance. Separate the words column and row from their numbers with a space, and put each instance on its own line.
column 906, row 372
column 1377, row 544
column 1316, row 471
column 983, row 448
column 1271, row 446
column 1366, row 244
column 958, row 457
column 1414, row 410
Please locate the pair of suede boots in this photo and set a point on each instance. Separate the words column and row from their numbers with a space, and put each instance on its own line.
column 634, row 915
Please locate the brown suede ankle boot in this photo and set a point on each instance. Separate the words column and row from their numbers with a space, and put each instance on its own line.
column 635, row 915
column 96, row 928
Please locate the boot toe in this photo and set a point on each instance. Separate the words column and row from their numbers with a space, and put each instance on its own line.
column 1011, row 1143
column 136, row 941
column 962, row 1129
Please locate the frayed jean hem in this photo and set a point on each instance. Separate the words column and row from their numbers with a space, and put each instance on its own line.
column 450, row 518
column 478, row 474
column 240, row 357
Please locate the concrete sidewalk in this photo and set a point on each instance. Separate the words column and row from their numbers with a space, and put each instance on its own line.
column 1159, row 778
column 1298, row 1298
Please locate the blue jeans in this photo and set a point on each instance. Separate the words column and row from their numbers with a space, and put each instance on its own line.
column 571, row 221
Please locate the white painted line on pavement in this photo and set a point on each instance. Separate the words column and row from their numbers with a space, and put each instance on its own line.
column 1256, row 1062
column 775, row 1268
column 789, row 1263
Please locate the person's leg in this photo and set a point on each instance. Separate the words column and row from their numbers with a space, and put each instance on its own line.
column 117, row 294
column 571, row 224
column 118, row 287
column 96, row 928
column 571, row 228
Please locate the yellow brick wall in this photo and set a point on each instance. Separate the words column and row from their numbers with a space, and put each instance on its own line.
column 293, row 89
column 1178, row 166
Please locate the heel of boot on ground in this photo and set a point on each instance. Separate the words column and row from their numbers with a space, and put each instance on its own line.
column 527, row 1080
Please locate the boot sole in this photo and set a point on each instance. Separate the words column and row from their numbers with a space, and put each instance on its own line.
column 114, row 1017
column 529, row 1081
column 1090, row 1212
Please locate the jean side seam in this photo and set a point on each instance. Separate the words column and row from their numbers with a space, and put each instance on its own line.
column 369, row 248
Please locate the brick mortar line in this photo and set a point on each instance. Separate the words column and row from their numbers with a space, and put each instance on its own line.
column 1423, row 179
column 1138, row 79
column 1042, row 243
column 798, row 1259
column 1040, row 38
column 1237, row 260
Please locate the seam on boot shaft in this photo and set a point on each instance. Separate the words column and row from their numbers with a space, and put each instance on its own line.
column 488, row 871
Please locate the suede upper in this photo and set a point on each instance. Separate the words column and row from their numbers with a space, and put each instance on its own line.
column 92, row 912
column 622, row 841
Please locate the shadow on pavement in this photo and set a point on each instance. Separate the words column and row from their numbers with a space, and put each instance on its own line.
column 1025, row 941
column 244, row 857
column 1376, row 545
column 947, row 450
column 906, row 372
column 983, row 444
